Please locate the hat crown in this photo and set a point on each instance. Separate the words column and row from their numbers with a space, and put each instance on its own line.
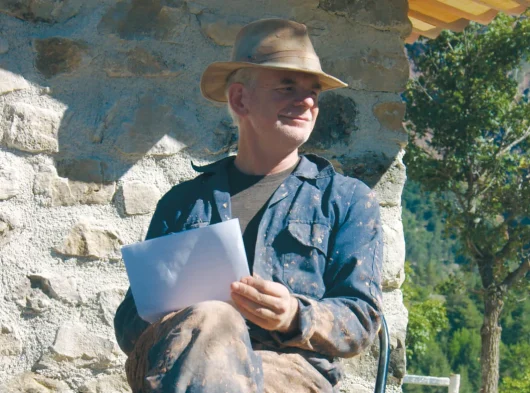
column 276, row 44
column 264, row 39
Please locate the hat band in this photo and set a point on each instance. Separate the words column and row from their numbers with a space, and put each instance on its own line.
column 301, row 58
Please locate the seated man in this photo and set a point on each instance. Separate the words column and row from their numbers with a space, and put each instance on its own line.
column 312, row 237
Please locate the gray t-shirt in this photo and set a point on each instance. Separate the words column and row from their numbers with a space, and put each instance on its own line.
column 249, row 195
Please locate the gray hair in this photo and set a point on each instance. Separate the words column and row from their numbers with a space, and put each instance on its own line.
column 247, row 77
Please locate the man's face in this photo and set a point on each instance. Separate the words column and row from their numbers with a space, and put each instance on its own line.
column 283, row 106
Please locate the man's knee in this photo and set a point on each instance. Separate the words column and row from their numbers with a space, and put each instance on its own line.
column 217, row 310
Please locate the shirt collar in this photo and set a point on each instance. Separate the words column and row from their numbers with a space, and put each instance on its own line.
column 310, row 166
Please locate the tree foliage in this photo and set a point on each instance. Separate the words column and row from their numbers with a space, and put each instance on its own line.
column 469, row 125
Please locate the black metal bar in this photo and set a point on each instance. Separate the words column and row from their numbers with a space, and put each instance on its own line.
column 384, row 357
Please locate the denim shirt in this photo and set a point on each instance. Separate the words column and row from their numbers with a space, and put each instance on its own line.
column 320, row 236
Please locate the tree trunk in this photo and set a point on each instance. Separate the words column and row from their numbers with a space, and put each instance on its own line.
column 491, row 337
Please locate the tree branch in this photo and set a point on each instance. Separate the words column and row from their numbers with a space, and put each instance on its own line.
column 516, row 142
column 517, row 274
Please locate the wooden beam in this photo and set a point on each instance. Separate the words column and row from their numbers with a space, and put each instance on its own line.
column 508, row 7
column 448, row 13
column 468, row 6
column 430, row 33
column 499, row 5
column 457, row 26
column 421, row 25
column 412, row 38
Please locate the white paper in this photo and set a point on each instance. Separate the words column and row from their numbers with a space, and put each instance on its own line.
column 175, row 271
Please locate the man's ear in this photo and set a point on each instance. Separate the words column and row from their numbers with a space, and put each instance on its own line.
column 236, row 99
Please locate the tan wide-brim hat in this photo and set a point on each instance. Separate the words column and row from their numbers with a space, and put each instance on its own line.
column 267, row 43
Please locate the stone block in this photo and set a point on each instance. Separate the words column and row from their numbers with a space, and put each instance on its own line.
column 109, row 300
column 156, row 131
column 86, row 185
column 91, row 240
column 139, row 62
column 30, row 382
column 9, row 186
column 57, row 55
column 30, row 128
column 221, row 29
column 50, row 11
column 394, row 248
column 390, row 185
column 383, row 14
column 74, row 342
column 145, row 19
column 56, row 286
column 10, row 222
column 9, row 81
column 139, row 197
column 371, row 70
column 390, row 114
column 108, row 383
column 4, row 48
column 10, row 345
column 337, row 120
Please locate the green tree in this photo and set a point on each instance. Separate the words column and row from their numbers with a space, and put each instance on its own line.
column 470, row 130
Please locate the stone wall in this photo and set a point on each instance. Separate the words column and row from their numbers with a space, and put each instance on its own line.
column 100, row 114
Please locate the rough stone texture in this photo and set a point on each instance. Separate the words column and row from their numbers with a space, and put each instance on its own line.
column 10, row 223
column 143, row 19
column 74, row 342
column 56, row 286
column 29, row 128
column 371, row 70
column 109, row 383
column 10, row 345
column 390, row 114
column 337, row 120
column 91, row 240
column 394, row 251
column 34, row 383
column 140, row 198
column 109, row 300
column 94, row 105
column 221, row 30
column 9, row 81
column 89, row 188
column 42, row 10
column 4, row 47
column 155, row 126
column 140, row 62
column 383, row 14
column 58, row 55
column 8, row 182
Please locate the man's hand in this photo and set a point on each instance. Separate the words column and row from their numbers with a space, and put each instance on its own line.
column 268, row 304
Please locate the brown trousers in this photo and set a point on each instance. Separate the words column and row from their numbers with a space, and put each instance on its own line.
column 206, row 348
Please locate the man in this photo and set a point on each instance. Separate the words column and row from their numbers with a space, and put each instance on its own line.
column 312, row 236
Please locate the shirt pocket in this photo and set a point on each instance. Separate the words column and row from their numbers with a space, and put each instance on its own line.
column 304, row 259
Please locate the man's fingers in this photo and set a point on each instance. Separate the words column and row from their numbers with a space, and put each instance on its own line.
column 251, row 293
column 265, row 286
column 256, row 313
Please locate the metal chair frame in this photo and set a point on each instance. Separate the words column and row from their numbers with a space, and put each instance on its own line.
column 384, row 357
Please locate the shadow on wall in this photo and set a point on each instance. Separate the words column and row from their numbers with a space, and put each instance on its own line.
column 115, row 101
column 117, row 96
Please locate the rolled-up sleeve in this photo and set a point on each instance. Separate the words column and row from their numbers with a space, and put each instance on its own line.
column 345, row 321
column 128, row 326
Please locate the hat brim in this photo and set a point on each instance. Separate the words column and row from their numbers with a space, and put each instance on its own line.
column 214, row 78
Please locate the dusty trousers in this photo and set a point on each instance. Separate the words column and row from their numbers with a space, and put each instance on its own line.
column 206, row 348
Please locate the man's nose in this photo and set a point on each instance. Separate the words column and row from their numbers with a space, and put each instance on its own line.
column 306, row 99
